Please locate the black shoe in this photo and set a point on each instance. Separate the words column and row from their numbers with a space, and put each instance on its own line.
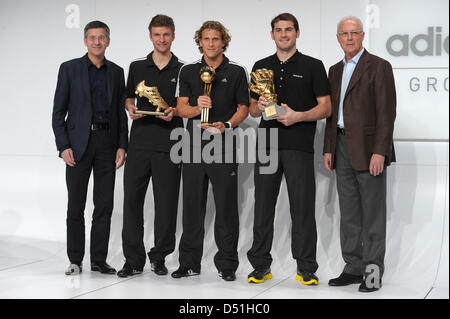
column 74, row 269
column 307, row 278
column 103, row 267
column 258, row 276
column 128, row 271
column 374, row 287
column 185, row 272
column 159, row 268
column 345, row 279
column 228, row 275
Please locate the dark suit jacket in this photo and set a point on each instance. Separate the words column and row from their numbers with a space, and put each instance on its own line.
column 73, row 99
column 369, row 111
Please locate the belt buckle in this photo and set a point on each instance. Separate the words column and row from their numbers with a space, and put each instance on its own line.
column 101, row 126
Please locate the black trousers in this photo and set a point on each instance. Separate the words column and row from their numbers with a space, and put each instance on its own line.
column 100, row 158
column 298, row 169
column 141, row 165
column 223, row 179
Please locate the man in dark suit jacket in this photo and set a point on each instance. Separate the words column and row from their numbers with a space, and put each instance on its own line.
column 358, row 144
column 91, row 132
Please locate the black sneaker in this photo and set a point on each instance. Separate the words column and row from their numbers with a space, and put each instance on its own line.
column 258, row 276
column 103, row 268
column 185, row 272
column 128, row 271
column 228, row 275
column 307, row 278
column 159, row 268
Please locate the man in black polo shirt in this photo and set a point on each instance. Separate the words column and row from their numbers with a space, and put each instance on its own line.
column 148, row 155
column 228, row 107
column 302, row 88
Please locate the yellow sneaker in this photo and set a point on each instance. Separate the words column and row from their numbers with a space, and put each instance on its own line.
column 307, row 278
column 259, row 276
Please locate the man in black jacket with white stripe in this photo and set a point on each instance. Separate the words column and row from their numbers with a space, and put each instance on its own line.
column 228, row 107
column 149, row 155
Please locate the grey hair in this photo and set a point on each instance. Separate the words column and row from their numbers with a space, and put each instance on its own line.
column 358, row 20
column 94, row 25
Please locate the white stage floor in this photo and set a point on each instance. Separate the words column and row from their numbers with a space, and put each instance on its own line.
column 35, row 269
column 33, row 200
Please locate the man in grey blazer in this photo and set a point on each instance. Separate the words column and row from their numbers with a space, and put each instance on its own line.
column 358, row 145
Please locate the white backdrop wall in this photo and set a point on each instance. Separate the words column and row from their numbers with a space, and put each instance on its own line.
column 37, row 36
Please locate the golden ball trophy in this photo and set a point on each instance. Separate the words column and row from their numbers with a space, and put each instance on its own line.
column 207, row 74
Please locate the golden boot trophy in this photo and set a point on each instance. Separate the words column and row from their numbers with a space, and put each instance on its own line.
column 207, row 74
column 264, row 86
column 153, row 96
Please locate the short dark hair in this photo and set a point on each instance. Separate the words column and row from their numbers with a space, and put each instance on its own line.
column 95, row 25
column 213, row 25
column 285, row 17
column 161, row 20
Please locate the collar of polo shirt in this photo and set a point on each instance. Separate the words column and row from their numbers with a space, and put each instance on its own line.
column 221, row 65
column 293, row 58
column 150, row 63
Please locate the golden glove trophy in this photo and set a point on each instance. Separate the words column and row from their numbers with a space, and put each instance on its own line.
column 207, row 74
column 264, row 86
column 153, row 96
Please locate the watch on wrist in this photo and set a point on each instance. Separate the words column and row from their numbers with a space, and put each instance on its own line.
column 228, row 125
